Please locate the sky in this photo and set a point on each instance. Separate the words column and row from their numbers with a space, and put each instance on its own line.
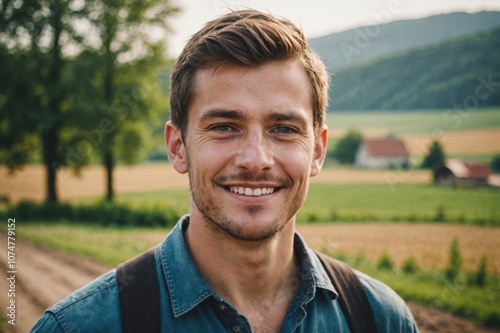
column 316, row 17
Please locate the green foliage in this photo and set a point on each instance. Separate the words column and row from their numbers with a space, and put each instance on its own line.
column 346, row 148
column 482, row 304
column 482, row 272
column 454, row 262
column 495, row 163
column 410, row 266
column 44, row 102
column 440, row 214
column 434, row 157
column 385, row 262
column 365, row 44
column 430, row 77
column 100, row 213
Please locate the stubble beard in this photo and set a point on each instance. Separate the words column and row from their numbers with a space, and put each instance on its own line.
column 214, row 213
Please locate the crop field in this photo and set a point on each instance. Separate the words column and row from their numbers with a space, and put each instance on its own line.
column 428, row 244
column 29, row 182
column 380, row 202
column 410, row 122
column 462, row 134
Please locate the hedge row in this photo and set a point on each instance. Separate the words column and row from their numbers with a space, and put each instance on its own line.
column 101, row 213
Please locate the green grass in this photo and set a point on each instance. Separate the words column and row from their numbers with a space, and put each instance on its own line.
column 400, row 202
column 109, row 245
column 113, row 245
column 461, row 297
column 367, row 202
column 422, row 121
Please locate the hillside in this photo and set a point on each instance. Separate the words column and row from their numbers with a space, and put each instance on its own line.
column 356, row 46
column 463, row 72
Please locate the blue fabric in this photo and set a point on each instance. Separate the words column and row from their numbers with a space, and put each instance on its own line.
column 189, row 304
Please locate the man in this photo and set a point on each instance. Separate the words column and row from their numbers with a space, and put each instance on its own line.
column 248, row 100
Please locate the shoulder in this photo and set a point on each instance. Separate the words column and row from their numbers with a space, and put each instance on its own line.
column 389, row 309
column 83, row 310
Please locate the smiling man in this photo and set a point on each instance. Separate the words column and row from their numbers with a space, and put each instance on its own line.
column 248, row 101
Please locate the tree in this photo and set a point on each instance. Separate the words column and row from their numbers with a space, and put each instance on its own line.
column 345, row 149
column 35, row 40
column 495, row 163
column 434, row 157
column 131, row 60
column 454, row 261
column 46, row 48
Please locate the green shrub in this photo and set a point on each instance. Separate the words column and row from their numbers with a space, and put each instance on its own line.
column 102, row 213
column 481, row 274
column 410, row 266
column 385, row 262
column 440, row 215
column 454, row 262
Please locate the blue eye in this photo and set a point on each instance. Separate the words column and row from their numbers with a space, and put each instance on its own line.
column 221, row 128
column 284, row 130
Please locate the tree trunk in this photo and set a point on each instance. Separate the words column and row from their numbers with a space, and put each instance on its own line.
column 50, row 135
column 108, row 97
column 50, row 142
column 109, row 165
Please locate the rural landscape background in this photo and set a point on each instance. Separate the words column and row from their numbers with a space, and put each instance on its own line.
column 85, row 175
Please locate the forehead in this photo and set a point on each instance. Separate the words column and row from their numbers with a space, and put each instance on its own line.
column 276, row 86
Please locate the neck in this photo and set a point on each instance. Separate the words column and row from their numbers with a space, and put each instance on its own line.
column 248, row 274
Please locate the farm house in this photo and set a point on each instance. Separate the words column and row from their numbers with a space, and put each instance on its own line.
column 460, row 173
column 382, row 153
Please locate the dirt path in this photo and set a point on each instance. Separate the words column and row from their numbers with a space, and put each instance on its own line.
column 46, row 276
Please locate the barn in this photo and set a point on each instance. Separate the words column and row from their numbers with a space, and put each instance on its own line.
column 454, row 172
column 382, row 153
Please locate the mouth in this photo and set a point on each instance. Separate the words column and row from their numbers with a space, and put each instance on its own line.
column 253, row 192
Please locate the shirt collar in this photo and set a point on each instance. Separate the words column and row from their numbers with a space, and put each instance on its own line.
column 188, row 288
column 313, row 275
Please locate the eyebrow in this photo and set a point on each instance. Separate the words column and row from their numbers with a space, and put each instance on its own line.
column 240, row 115
column 293, row 117
column 222, row 113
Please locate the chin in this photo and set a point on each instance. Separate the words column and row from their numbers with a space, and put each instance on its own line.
column 254, row 233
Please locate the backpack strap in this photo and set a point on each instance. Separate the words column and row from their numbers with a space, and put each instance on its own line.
column 352, row 297
column 138, row 293
column 140, row 303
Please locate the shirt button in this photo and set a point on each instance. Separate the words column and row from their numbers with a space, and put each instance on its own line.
column 222, row 307
column 236, row 328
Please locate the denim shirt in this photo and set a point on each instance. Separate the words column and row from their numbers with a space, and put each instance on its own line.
column 189, row 304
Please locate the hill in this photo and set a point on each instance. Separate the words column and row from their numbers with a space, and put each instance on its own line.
column 356, row 46
column 459, row 73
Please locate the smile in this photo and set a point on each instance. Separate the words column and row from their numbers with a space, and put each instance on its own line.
column 251, row 191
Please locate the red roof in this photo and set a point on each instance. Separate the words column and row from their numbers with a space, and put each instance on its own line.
column 464, row 169
column 386, row 147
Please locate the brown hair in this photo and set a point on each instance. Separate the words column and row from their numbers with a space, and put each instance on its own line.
column 245, row 38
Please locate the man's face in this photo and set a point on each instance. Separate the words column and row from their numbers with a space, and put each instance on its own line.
column 249, row 147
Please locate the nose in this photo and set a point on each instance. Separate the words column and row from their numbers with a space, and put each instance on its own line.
column 254, row 153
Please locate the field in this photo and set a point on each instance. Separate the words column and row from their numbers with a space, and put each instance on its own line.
column 372, row 199
column 411, row 122
column 29, row 182
column 472, row 134
column 360, row 245
column 428, row 244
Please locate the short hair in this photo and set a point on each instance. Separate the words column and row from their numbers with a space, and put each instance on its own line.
column 245, row 38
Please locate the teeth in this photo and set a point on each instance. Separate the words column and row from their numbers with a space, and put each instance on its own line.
column 251, row 191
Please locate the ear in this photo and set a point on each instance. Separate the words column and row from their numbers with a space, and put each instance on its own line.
column 176, row 150
column 319, row 152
